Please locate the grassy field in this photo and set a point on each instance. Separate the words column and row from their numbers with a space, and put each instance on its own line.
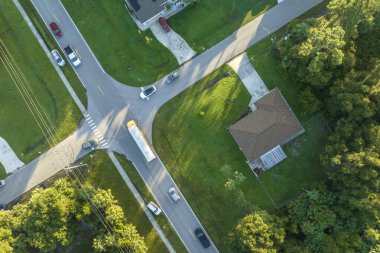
column 129, row 55
column 17, row 125
column 222, row 17
column 102, row 173
column 52, row 44
column 194, row 148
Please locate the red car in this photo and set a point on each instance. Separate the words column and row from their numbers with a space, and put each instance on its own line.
column 55, row 29
column 164, row 24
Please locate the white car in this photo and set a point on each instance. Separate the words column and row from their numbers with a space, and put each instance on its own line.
column 72, row 56
column 57, row 57
column 154, row 208
column 2, row 183
column 173, row 194
column 147, row 92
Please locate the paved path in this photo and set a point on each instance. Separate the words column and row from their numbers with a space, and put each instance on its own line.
column 111, row 104
column 174, row 42
column 250, row 78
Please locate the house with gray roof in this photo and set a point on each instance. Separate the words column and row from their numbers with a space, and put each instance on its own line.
column 144, row 12
column 261, row 134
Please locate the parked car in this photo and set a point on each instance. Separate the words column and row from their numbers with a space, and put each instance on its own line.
column 148, row 92
column 173, row 194
column 202, row 237
column 57, row 57
column 171, row 78
column 54, row 27
column 90, row 144
column 72, row 56
column 164, row 24
column 2, row 183
column 154, row 208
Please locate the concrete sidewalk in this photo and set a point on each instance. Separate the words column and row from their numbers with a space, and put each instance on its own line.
column 250, row 78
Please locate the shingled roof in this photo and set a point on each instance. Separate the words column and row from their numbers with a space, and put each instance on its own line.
column 144, row 10
column 272, row 124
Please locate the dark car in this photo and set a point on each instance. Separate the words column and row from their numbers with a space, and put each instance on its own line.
column 54, row 27
column 164, row 24
column 202, row 237
column 171, row 78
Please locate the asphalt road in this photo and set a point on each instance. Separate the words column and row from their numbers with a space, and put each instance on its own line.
column 110, row 111
column 112, row 104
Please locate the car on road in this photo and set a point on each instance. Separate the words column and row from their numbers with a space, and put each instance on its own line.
column 90, row 144
column 54, row 27
column 154, row 208
column 173, row 194
column 2, row 183
column 148, row 92
column 57, row 57
column 171, row 78
column 202, row 237
column 72, row 56
column 164, row 24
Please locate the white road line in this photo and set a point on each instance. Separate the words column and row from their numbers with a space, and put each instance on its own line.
column 76, row 51
column 106, row 146
column 101, row 138
column 97, row 131
column 93, row 127
column 100, row 90
column 92, row 124
column 56, row 18
column 89, row 120
column 87, row 115
column 102, row 141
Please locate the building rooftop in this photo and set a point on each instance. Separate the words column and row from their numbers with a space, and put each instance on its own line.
column 272, row 124
column 144, row 10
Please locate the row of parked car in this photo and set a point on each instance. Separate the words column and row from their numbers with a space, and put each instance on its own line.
column 72, row 56
column 175, row 197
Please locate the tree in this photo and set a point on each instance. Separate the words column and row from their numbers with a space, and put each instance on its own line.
column 6, row 235
column 258, row 232
column 118, row 233
column 313, row 217
column 47, row 219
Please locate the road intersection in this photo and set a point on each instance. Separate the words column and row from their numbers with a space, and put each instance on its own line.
column 112, row 104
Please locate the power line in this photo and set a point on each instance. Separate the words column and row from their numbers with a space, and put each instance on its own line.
column 48, row 129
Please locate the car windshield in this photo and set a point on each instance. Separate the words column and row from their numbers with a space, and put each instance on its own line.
column 148, row 91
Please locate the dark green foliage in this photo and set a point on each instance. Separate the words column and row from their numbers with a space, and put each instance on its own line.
column 52, row 218
column 258, row 232
column 336, row 61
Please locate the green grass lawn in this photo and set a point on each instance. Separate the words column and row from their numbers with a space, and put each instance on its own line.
column 17, row 125
column 205, row 23
column 194, row 148
column 52, row 44
column 102, row 173
column 129, row 55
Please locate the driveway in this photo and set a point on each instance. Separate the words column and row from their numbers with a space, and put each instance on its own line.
column 175, row 43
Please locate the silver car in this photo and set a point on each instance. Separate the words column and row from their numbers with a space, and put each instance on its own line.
column 154, row 208
column 173, row 194
column 57, row 57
